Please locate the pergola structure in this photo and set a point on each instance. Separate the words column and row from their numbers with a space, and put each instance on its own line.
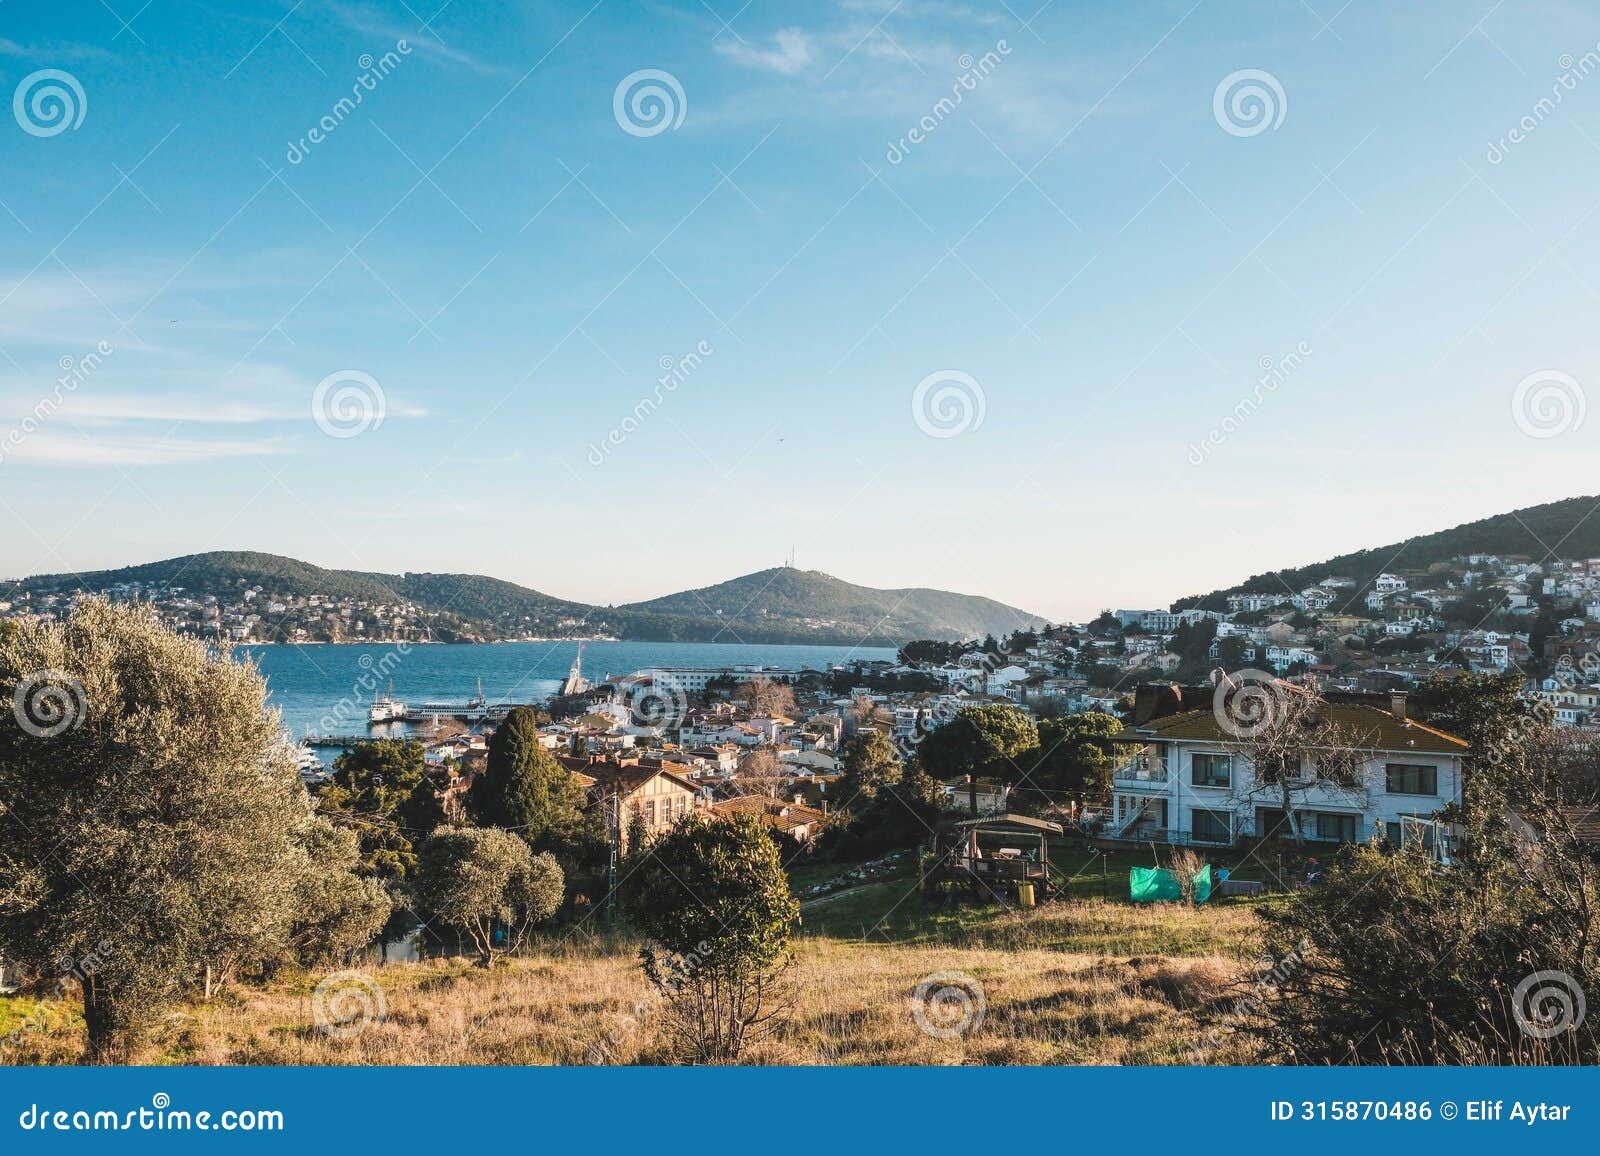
column 988, row 857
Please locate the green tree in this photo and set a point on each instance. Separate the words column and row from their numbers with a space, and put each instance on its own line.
column 525, row 789
column 335, row 910
column 930, row 651
column 486, row 884
column 870, row 762
column 713, row 899
column 1105, row 624
column 900, row 815
column 381, row 792
column 980, row 741
column 1488, row 710
column 1075, row 756
column 152, row 813
column 1231, row 651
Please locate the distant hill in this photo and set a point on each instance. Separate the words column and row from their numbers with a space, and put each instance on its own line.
column 1567, row 529
column 822, row 602
column 774, row 606
column 226, row 570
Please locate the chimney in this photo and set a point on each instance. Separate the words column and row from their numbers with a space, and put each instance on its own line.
column 1397, row 704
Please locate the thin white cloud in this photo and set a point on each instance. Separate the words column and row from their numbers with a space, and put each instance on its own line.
column 938, row 9
column 428, row 42
column 90, row 407
column 793, row 51
column 57, row 448
column 57, row 51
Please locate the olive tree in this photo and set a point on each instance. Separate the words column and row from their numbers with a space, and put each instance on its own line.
column 485, row 883
column 151, row 813
column 713, row 899
column 335, row 910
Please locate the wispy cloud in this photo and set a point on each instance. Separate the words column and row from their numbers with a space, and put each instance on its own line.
column 791, row 53
column 71, row 449
column 90, row 408
column 57, row 51
column 428, row 42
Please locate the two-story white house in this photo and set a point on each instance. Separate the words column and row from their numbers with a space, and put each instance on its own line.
column 1190, row 781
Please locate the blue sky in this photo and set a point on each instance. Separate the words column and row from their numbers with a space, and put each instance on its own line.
column 1088, row 245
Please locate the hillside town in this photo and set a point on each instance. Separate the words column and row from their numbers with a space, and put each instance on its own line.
column 245, row 615
column 772, row 742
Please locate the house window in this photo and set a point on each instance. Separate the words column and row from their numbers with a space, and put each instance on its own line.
column 1420, row 833
column 1336, row 828
column 1211, row 827
column 1211, row 770
column 1410, row 779
column 650, row 813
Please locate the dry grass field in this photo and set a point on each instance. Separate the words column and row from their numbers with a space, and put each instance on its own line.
column 1087, row 981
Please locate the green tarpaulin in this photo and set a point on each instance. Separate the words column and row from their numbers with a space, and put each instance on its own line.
column 1151, row 884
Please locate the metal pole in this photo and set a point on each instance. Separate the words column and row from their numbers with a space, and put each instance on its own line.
column 611, row 863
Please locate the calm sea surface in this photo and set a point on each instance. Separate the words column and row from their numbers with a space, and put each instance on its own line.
column 308, row 683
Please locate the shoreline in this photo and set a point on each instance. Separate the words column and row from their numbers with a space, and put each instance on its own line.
column 621, row 641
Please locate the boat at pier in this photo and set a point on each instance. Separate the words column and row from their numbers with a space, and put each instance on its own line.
column 385, row 709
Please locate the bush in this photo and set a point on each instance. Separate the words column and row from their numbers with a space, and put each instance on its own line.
column 1397, row 960
column 486, row 884
column 713, row 898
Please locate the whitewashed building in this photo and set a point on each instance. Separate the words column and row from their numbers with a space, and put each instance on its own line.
column 1191, row 781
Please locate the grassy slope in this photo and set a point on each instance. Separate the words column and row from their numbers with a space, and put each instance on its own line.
column 1086, row 981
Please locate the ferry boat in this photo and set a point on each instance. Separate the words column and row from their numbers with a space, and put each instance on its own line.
column 473, row 709
column 385, row 709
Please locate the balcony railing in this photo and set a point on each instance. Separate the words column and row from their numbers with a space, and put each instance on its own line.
column 1140, row 769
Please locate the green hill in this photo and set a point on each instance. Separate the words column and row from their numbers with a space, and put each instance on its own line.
column 774, row 606
column 1567, row 529
column 221, row 571
column 822, row 602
